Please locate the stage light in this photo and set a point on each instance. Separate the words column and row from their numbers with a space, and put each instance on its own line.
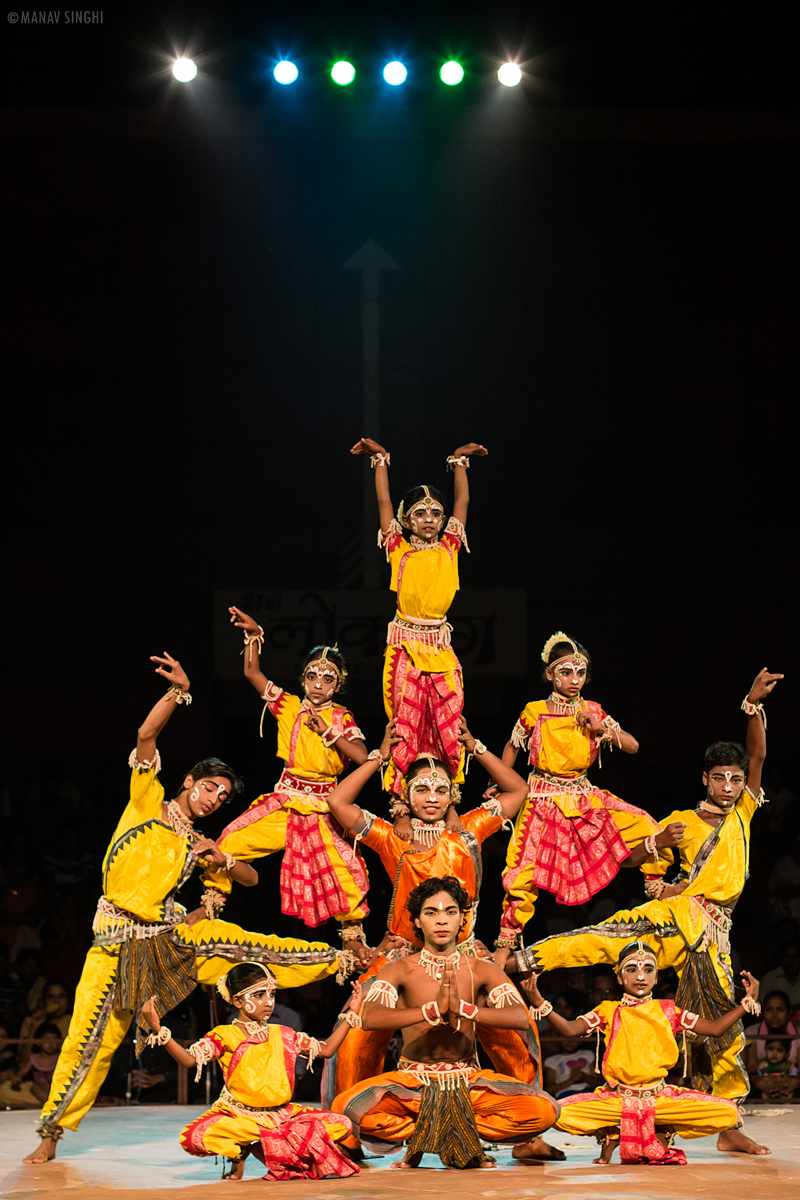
column 509, row 74
column 395, row 73
column 451, row 73
column 184, row 70
column 285, row 72
column 343, row 73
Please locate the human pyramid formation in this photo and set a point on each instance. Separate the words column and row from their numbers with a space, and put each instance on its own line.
column 569, row 838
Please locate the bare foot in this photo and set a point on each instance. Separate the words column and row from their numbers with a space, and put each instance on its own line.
column 237, row 1166
column 408, row 1163
column 45, row 1152
column 537, row 1150
column 736, row 1139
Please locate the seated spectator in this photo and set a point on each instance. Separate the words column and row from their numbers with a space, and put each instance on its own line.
column 775, row 1023
column 572, row 1068
column 21, row 1092
column 56, row 1009
column 777, row 1061
column 786, row 977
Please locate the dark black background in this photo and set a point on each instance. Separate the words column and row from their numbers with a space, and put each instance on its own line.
column 599, row 282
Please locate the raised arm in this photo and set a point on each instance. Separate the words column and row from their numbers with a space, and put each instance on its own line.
column 460, row 482
column 179, row 1053
column 510, row 789
column 576, row 1028
column 380, row 461
column 722, row 1024
column 342, row 799
column 163, row 709
column 254, row 639
column 763, row 684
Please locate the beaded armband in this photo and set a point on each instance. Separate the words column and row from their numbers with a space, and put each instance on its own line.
column 142, row 766
column 430, row 1012
column 689, row 1020
column 456, row 527
column 383, row 992
column 503, row 994
column 537, row 1014
column 181, row 697
column 202, row 1052
column 213, row 901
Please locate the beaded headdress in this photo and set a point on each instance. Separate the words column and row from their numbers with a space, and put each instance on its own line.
column 269, row 979
column 432, row 778
column 638, row 952
column 553, row 641
column 427, row 501
column 328, row 662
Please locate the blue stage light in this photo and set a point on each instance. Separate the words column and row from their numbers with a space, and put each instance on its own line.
column 395, row 73
column 285, row 72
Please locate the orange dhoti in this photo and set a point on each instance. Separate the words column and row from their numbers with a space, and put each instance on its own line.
column 384, row 1109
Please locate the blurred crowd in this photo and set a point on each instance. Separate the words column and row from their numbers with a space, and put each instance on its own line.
column 54, row 839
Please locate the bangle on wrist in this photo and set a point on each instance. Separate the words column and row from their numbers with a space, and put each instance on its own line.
column 181, row 696
column 431, row 1013
column 158, row 1039
column 453, row 462
column 544, row 1008
column 753, row 709
column 380, row 459
column 376, row 754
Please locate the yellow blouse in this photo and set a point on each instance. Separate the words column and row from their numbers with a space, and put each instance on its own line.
column 258, row 1068
column 557, row 745
column 145, row 860
column 425, row 578
column 723, row 876
column 303, row 749
column 640, row 1039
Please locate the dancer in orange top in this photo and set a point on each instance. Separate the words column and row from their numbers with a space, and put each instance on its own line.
column 422, row 679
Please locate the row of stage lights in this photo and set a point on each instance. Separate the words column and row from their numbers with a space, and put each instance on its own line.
column 343, row 73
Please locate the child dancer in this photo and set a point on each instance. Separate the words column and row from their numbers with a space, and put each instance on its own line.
column 635, row 1106
column 323, row 874
column 571, row 837
column 255, row 1113
column 422, row 679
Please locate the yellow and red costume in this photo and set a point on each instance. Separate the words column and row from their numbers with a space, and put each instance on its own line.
column 641, row 1049
column 570, row 837
column 690, row 932
column 255, row 1105
column 458, row 854
column 142, row 946
column 322, row 874
column 422, row 679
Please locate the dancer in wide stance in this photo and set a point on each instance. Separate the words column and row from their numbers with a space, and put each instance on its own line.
column 322, row 875
column 688, row 922
column 255, row 1113
column 439, row 1099
column 636, row 1107
column 144, row 941
column 571, row 837
column 422, row 679
column 434, row 852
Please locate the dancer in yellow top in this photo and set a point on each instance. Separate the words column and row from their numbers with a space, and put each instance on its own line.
column 688, row 922
column 635, row 1106
column 571, row 837
column 422, row 679
column 255, row 1113
column 144, row 941
column 323, row 874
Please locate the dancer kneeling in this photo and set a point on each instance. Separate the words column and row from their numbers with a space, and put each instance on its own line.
column 439, row 1099
column 636, row 1107
column 254, row 1113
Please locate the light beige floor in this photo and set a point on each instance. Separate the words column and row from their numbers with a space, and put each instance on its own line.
column 135, row 1151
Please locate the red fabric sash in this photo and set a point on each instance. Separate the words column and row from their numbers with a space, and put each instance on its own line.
column 302, row 1148
column 309, row 887
column 427, row 711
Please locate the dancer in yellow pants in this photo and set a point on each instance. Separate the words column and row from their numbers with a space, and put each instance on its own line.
column 144, row 941
column 688, row 923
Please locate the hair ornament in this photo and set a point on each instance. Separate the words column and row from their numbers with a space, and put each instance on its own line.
column 426, row 501
column 328, row 662
column 222, row 988
column 547, row 649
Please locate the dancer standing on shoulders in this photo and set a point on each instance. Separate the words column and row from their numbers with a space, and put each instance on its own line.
column 255, row 1113
column 636, row 1107
column 572, row 837
column 439, row 1100
column 322, row 875
column 688, row 922
column 422, row 679
column 145, row 943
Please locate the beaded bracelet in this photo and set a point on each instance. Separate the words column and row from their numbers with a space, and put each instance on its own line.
column 181, row 697
column 544, row 1008
column 431, row 1013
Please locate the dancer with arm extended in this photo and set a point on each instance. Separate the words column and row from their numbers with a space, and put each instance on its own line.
column 254, row 1113
column 439, row 1099
column 145, row 943
column 571, row 837
column 636, row 1106
column 422, row 678
column 688, row 922
column 322, row 874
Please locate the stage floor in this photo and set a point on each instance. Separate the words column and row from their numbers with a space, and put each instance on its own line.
column 136, row 1150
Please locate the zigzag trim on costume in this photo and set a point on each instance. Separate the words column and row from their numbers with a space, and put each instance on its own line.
column 239, row 952
column 90, row 1048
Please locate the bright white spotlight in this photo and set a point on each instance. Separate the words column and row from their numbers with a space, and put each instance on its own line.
column 184, row 70
column 285, row 72
column 451, row 73
column 395, row 73
column 343, row 72
column 509, row 74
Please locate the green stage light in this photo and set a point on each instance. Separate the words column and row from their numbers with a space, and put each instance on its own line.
column 451, row 73
column 343, row 72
